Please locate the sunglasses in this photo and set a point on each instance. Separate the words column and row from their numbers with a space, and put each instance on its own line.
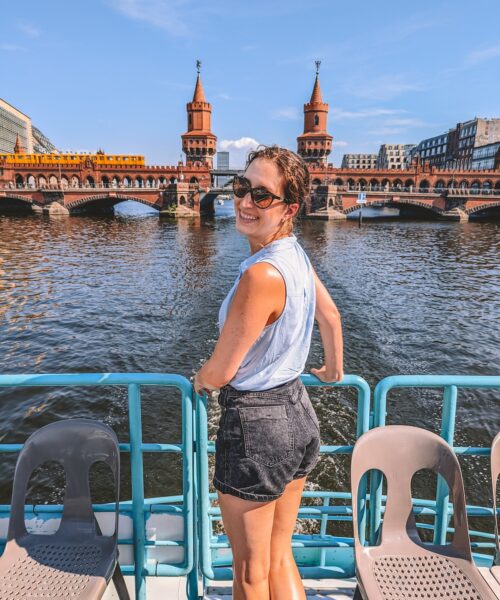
column 261, row 197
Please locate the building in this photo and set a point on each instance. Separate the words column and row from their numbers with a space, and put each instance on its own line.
column 223, row 160
column 454, row 149
column 198, row 143
column 41, row 143
column 392, row 156
column 315, row 144
column 14, row 125
column 359, row 161
column 486, row 157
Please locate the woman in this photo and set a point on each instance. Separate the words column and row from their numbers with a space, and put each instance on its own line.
column 268, row 437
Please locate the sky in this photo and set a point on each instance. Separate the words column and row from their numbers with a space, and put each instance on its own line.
column 116, row 74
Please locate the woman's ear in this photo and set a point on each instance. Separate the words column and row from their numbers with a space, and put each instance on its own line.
column 292, row 209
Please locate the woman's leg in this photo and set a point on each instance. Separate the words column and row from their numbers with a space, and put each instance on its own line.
column 248, row 525
column 284, row 577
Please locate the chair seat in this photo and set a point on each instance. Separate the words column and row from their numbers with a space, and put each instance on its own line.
column 495, row 571
column 54, row 571
column 422, row 577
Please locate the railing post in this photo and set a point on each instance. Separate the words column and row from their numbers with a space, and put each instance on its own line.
column 442, row 492
column 136, row 462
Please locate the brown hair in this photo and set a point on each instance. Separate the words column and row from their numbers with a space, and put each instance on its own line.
column 292, row 168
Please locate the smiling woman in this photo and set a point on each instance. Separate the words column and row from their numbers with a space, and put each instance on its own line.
column 268, row 439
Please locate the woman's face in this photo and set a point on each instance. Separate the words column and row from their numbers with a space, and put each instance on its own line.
column 260, row 225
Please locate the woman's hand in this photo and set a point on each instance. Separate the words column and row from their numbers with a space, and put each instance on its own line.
column 328, row 376
column 201, row 386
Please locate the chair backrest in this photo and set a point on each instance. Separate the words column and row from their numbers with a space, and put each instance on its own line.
column 76, row 444
column 495, row 472
column 399, row 451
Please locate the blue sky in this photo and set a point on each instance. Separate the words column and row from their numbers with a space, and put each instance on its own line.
column 117, row 74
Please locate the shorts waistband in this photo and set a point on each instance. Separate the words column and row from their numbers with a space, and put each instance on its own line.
column 281, row 394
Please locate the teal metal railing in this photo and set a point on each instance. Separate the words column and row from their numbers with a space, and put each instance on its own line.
column 138, row 508
column 440, row 508
column 207, row 553
column 328, row 556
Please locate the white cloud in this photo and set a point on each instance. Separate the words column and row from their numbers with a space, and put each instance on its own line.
column 387, row 131
column 11, row 48
column 383, row 87
column 244, row 143
column 289, row 113
column 479, row 56
column 164, row 14
column 30, row 30
column 405, row 122
column 339, row 114
column 340, row 143
column 238, row 150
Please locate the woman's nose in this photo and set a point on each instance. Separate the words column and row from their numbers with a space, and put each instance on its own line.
column 247, row 201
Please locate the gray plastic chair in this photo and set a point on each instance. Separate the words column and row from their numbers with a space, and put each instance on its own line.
column 401, row 567
column 495, row 472
column 75, row 562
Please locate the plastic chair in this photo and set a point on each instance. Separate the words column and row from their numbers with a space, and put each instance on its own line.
column 401, row 566
column 495, row 472
column 75, row 562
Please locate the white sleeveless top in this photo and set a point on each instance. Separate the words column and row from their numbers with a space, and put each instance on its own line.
column 280, row 353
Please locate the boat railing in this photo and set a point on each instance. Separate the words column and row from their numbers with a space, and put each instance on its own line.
column 153, row 553
column 197, row 547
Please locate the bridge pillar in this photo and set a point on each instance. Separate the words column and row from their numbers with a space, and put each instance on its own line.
column 55, row 209
column 181, row 200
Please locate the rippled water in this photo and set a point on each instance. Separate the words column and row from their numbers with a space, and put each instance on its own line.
column 127, row 294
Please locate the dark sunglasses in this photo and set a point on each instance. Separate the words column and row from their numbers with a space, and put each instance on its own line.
column 261, row 197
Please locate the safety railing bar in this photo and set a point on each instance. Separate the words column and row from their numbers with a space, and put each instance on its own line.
column 299, row 544
column 323, row 449
column 95, row 379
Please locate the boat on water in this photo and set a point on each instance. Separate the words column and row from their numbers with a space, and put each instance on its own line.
column 173, row 546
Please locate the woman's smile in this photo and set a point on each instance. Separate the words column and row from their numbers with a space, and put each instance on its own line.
column 247, row 217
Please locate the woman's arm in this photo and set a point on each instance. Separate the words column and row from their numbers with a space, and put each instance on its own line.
column 330, row 328
column 259, row 300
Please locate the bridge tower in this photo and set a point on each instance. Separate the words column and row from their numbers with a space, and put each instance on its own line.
column 198, row 143
column 315, row 144
column 19, row 148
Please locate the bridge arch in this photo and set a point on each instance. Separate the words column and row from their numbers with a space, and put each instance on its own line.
column 104, row 203
column 484, row 209
column 419, row 206
column 14, row 203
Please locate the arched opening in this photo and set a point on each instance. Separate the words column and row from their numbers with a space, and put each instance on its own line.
column 397, row 184
column 385, row 184
column 173, row 180
column 193, row 180
column 53, row 180
column 374, row 184
column 362, row 184
column 475, row 186
column 451, row 184
column 487, row 185
column 19, row 181
column 497, row 185
column 31, row 181
column 162, row 181
column 42, row 182
column 75, row 181
column 351, row 184
column 89, row 182
column 127, row 182
column 150, row 182
column 182, row 200
column 424, row 186
column 409, row 183
column 105, row 181
column 330, row 202
column 316, row 181
column 139, row 182
column 339, row 181
column 463, row 185
column 316, row 120
column 115, row 182
column 440, row 185
column 64, row 182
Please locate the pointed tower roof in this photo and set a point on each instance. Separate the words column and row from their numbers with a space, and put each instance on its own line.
column 199, row 94
column 316, row 93
column 19, row 148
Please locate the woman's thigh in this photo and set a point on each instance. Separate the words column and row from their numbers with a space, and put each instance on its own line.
column 285, row 518
column 248, row 525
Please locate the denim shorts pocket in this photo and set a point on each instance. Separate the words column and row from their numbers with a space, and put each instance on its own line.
column 267, row 433
column 309, row 408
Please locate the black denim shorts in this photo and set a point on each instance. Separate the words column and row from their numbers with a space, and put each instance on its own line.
column 265, row 440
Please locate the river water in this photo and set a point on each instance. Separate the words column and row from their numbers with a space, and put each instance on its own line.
column 86, row 294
